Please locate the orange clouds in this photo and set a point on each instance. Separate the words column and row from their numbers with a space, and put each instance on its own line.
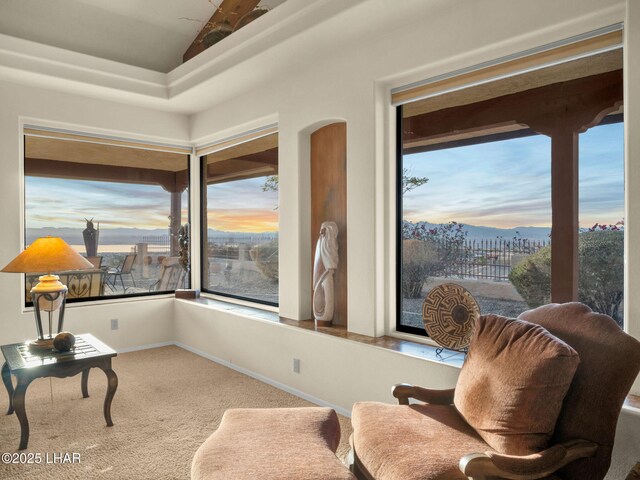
column 243, row 220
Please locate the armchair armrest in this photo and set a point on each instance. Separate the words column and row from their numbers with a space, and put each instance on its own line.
column 479, row 466
column 403, row 392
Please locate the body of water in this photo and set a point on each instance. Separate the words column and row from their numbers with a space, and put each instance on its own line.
column 102, row 249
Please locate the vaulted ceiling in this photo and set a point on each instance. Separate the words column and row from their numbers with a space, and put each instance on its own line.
column 152, row 34
column 118, row 50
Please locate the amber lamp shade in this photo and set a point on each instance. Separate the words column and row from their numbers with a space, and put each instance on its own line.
column 48, row 255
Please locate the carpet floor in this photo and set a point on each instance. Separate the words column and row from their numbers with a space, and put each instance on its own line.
column 168, row 402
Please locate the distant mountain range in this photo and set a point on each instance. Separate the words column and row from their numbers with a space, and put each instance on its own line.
column 127, row 236
column 115, row 236
column 529, row 233
column 490, row 233
column 131, row 236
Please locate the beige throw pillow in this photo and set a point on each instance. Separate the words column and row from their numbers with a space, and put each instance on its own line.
column 513, row 382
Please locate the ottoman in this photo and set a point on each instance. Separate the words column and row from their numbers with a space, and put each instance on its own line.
column 272, row 443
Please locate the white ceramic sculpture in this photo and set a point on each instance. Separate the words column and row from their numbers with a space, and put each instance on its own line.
column 324, row 266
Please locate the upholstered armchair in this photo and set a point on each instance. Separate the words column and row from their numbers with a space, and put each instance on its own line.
column 530, row 403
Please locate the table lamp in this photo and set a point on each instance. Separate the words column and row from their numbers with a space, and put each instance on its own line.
column 47, row 254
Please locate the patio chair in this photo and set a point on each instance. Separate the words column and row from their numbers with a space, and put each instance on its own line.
column 530, row 403
column 125, row 269
column 170, row 276
column 96, row 261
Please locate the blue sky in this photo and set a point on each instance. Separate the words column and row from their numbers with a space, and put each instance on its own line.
column 508, row 184
column 500, row 184
column 602, row 175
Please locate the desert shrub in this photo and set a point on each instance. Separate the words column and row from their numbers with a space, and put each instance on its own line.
column 265, row 256
column 532, row 278
column 420, row 260
column 601, row 278
column 223, row 251
column 602, row 272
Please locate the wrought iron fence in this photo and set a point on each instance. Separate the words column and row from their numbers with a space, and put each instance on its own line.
column 158, row 244
column 486, row 259
column 236, row 247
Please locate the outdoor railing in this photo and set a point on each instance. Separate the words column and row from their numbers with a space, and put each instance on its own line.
column 157, row 244
column 486, row 259
column 236, row 247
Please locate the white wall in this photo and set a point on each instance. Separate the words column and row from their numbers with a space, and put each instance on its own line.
column 333, row 370
column 141, row 322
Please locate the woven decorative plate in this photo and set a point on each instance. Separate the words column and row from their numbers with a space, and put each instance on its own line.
column 449, row 313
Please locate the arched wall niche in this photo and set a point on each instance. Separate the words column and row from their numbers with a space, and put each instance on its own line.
column 328, row 178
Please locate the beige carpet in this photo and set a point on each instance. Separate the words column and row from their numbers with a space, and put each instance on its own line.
column 168, row 402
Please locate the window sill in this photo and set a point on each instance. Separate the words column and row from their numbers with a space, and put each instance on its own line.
column 261, row 312
column 109, row 301
column 412, row 337
column 238, row 301
column 405, row 347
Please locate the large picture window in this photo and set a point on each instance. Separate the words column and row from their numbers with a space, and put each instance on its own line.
column 240, row 222
column 514, row 189
column 124, row 208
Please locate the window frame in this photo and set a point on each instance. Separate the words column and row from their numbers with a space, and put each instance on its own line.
column 399, row 326
column 108, row 140
column 204, row 238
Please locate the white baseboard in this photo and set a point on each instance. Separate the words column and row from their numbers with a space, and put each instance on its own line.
column 144, row 347
column 267, row 380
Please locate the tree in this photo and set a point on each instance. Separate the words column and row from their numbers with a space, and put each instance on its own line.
column 272, row 183
column 409, row 183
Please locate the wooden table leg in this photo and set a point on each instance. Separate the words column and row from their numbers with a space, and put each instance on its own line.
column 85, row 380
column 6, row 378
column 112, row 379
column 21, row 413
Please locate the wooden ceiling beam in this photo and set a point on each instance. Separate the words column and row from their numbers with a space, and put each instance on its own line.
column 214, row 170
column 269, row 157
column 574, row 101
column 230, row 11
column 263, row 171
column 170, row 181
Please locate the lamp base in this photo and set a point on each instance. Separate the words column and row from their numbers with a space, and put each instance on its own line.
column 41, row 344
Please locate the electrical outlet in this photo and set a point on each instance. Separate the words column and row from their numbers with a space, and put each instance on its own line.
column 114, row 324
column 296, row 365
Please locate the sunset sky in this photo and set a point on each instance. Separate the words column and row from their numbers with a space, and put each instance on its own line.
column 508, row 184
column 54, row 202
column 242, row 206
column 239, row 206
